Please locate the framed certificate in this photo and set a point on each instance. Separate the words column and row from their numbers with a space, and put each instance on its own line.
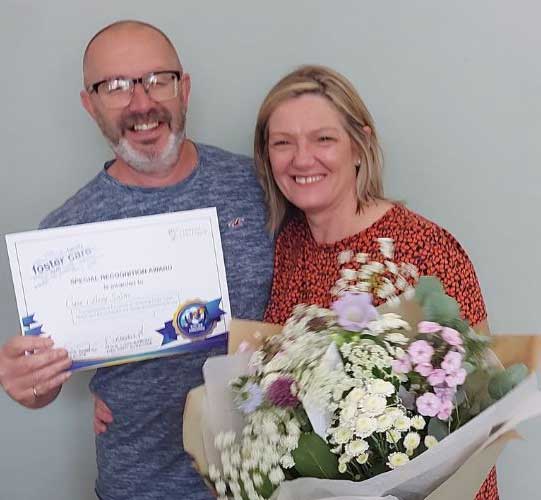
column 120, row 291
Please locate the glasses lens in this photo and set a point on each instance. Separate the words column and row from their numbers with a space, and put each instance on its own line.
column 162, row 86
column 116, row 92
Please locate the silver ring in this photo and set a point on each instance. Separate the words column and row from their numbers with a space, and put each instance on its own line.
column 36, row 395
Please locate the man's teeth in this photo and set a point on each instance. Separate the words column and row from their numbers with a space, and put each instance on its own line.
column 308, row 180
column 145, row 126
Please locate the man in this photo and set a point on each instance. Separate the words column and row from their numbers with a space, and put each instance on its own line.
column 137, row 92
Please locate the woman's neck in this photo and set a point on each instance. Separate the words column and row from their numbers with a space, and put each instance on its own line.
column 329, row 227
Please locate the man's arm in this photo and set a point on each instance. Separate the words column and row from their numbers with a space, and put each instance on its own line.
column 33, row 380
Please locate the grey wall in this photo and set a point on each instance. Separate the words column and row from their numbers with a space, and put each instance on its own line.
column 454, row 88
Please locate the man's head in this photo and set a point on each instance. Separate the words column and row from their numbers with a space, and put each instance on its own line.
column 140, row 104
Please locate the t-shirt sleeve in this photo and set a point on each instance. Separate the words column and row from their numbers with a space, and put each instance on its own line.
column 447, row 260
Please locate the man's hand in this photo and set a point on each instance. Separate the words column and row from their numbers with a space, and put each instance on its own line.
column 33, row 380
column 102, row 416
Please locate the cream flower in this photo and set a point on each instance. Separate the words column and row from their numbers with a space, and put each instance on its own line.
column 430, row 441
column 397, row 460
column 365, row 426
column 412, row 440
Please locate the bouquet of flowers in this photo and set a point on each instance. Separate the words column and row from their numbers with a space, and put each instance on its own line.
column 351, row 395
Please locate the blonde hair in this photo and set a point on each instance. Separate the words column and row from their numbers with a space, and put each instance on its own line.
column 323, row 81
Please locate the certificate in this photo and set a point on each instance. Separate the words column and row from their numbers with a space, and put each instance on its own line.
column 120, row 291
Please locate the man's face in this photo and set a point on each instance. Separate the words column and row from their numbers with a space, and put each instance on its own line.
column 145, row 134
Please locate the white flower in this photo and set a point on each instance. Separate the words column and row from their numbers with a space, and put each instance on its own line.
column 348, row 274
column 386, row 247
column 342, row 468
column 396, row 338
column 385, row 422
column 345, row 256
column 365, row 426
column 397, row 460
column 356, row 395
column 342, row 435
column 402, row 423
column 287, row 461
column 418, row 422
column 409, row 293
column 374, row 405
column 412, row 440
column 430, row 441
column 381, row 387
column 257, row 479
column 392, row 436
column 362, row 458
column 361, row 258
column 220, row 487
column 276, row 475
column 356, row 447
column 214, row 473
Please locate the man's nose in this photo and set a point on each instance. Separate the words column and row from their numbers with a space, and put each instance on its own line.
column 140, row 100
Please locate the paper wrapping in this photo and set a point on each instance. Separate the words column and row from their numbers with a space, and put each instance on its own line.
column 455, row 468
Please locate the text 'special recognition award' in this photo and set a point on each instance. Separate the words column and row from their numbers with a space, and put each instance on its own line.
column 120, row 291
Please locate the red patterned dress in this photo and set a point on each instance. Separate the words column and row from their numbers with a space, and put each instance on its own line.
column 305, row 271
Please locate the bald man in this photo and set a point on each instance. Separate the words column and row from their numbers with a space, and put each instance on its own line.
column 137, row 91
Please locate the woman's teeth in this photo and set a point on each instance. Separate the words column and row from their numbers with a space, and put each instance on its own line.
column 307, row 180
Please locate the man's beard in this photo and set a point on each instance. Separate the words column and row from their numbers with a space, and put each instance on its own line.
column 151, row 161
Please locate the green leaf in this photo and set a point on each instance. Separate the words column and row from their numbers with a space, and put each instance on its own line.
column 313, row 458
column 427, row 286
column 441, row 309
column 438, row 429
column 502, row 382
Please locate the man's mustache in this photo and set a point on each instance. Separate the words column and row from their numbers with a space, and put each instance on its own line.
column 128, row 121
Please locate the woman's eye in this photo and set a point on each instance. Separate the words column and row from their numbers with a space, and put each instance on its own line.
column 326, row 138
column 281, row 142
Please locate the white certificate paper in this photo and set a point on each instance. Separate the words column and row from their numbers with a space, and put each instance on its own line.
column 120, row 291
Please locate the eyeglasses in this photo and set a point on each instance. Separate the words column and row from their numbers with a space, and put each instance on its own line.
column 117, row 92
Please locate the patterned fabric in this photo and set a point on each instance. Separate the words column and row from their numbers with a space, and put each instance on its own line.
column 305, row 271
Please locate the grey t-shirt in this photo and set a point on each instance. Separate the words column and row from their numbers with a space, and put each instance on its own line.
column 141, row 456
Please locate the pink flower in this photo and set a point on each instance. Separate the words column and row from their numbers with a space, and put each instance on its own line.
column 425, row 369
column 401, row 365
column 428, row 404
column 445, row 410
column 428, row 327
column 437, row 377
column 420, row 351
column 445, row 393
column 451, row 336
column 452, row 362
column 354, row 311
column 456, row 378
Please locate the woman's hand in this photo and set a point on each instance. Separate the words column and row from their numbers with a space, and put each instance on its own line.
column 102, row 416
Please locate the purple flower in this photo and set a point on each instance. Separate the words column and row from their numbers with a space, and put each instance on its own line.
column 428, row 404
column 401, row 365
column 420, row 351
column 452, row 362
column 445, row 410
column 249, row 398
column 279, row 393
column 451, row 336
column 428, row 327
column 425, row 369
column 354, row 311
column 437, row 377
column 456, row 378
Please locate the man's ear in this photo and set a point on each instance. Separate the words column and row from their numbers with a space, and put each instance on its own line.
column 185, row 87
column 87, row 103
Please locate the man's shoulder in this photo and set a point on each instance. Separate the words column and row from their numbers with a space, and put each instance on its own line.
column 79, row 208
column 216, row 155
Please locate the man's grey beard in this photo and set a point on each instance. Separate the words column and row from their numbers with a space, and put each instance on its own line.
column 154, row 162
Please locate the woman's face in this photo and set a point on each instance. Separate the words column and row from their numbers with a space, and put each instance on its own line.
column 312, row 156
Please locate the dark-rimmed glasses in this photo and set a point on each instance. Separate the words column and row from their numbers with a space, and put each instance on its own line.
column 117, row 92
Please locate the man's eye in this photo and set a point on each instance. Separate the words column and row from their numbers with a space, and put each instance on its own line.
column 117, row 86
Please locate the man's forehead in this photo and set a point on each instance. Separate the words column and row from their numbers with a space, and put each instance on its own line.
column 128, row 50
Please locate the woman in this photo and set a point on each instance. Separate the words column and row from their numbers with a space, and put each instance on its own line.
column 319, row 161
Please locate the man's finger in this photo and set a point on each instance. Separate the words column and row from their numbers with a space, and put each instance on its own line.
column 17, row 346
column 43, row 359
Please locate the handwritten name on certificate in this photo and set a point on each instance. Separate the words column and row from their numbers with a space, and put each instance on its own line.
column 120, row 291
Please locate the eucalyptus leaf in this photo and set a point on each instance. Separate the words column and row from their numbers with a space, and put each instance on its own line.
column 502, row 382
column 438, row 428
column 313, row 458
column 441, row 309
column 427, row 286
